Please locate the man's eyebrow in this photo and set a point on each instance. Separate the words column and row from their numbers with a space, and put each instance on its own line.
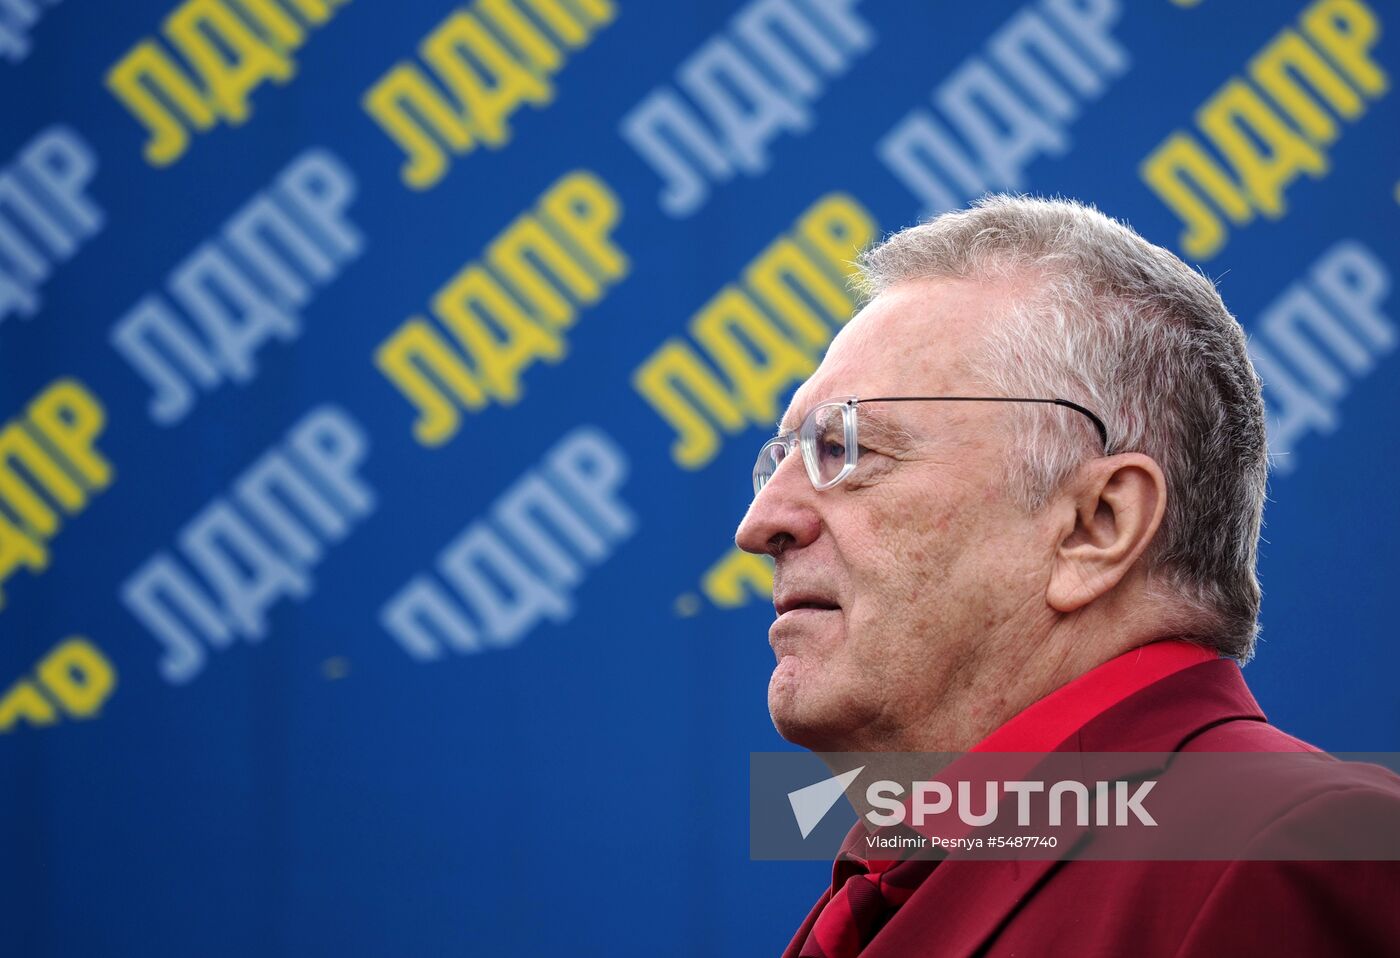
column 778, row 429
column 881, row 424
column 873, row 421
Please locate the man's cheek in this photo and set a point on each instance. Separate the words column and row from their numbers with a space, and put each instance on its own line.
column 919, row 539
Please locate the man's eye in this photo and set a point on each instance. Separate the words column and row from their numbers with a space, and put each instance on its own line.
column 832, row 449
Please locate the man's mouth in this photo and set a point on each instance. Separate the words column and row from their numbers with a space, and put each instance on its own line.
column 794, row 603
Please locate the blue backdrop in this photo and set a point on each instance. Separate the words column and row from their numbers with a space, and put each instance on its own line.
column 381, row 383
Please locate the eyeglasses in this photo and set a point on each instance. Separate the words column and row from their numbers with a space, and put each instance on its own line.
column 828, row 437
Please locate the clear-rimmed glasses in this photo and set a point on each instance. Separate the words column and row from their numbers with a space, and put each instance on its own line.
column 828, row 436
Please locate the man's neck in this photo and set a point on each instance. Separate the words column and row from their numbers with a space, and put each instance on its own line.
column 1023, row 674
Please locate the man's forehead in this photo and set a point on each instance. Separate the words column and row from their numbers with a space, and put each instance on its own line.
column 908, row 341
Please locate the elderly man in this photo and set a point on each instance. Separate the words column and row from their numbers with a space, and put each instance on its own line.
column 1021, row 513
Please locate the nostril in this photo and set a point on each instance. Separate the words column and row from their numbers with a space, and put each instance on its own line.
column 778, row 542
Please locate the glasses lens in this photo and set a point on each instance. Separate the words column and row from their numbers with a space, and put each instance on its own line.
column 769, row 457
column 824, row 442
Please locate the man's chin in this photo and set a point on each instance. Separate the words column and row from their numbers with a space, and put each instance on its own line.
column 796, row 732
column 813, row 736
column 800, row 714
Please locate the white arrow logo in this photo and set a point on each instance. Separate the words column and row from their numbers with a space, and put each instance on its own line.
column 811, row 803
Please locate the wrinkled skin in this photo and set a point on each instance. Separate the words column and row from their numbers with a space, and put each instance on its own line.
column 948, row 608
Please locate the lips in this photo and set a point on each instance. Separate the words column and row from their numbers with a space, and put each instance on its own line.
column 797, row 600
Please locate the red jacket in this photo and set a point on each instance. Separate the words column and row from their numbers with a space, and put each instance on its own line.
column 1144, row 909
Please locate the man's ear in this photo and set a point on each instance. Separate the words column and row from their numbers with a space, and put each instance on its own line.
column 1111, row 511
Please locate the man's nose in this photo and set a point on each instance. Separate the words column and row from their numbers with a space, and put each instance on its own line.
column 783, row 515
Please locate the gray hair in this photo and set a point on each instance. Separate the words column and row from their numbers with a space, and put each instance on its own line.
column 1106, row 319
